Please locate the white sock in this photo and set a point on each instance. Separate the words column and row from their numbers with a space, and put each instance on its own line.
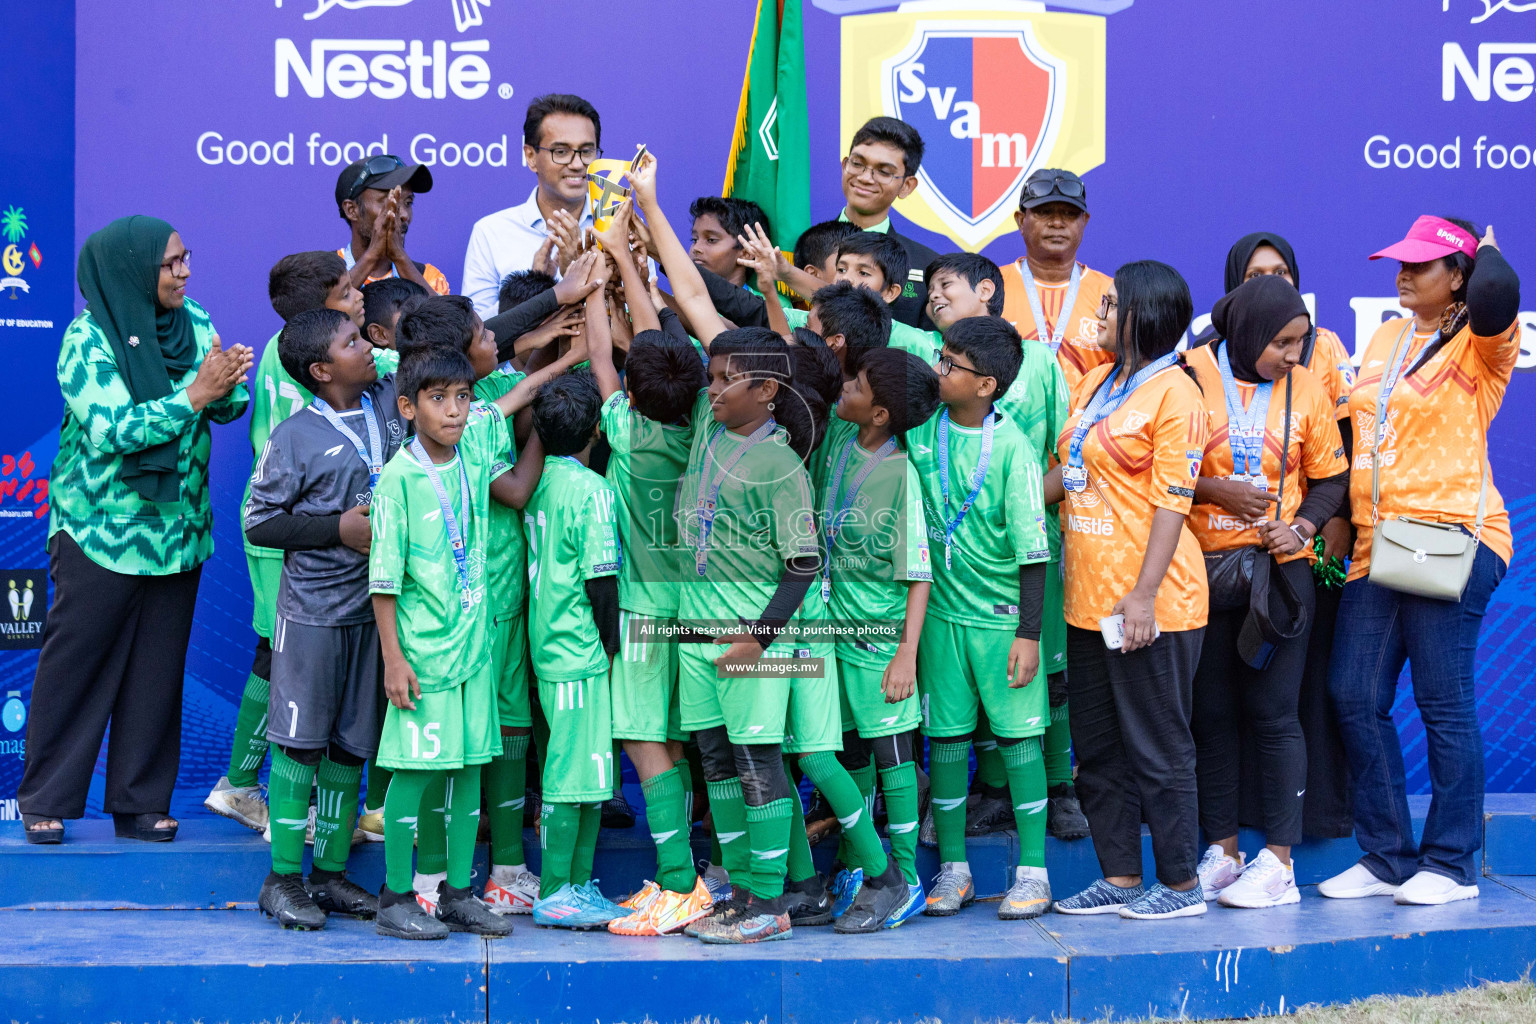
column 506, row 874
column 427, row 884
column 1022, row 872
column 959, row 867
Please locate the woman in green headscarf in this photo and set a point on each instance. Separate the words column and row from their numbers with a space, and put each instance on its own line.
column 143, row 374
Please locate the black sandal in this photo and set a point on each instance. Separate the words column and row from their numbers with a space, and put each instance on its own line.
column 142, row 827
column 42, row 836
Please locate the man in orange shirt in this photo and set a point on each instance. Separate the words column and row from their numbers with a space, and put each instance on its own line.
column 1052, row 216
column 376, row 197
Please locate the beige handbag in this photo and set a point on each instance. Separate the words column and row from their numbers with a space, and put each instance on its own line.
column 1418, row 556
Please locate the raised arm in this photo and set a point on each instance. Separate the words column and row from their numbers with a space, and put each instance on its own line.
column 637, row 297
column 523, row 393
column 514, row 487
column 687, row 286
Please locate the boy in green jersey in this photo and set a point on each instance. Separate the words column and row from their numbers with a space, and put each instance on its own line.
column 983, row 500
column 296, row 284
column 573, row 629
column 649, row 435
column 427, row 573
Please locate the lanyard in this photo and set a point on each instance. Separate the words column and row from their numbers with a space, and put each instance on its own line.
column 1394, row 374
column 373, row 454
column 952, row 523
column 450, row 523
column 1245, row 428
column 1038, row 310
column 834, row 524
column 1105, row 401
column 709, row 489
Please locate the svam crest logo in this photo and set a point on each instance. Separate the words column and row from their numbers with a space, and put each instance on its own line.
column 995, row 95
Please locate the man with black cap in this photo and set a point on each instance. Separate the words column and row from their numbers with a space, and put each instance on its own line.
column 1048, row 282
column 377, row 197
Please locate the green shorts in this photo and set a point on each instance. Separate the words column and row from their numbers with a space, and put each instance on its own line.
column 509, row 667
column 962, row 667
column 578, row 762
column 753, row 708
column 645, row 700
column 863, row 703
column 1053, row 622
column 266, row 572
column 814, row 720
column 450, row 729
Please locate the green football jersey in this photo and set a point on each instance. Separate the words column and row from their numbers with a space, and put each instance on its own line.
column 648, row 460
column 412, row 559
column 1037, row 401
column 881, row 544
column 1004, row 529
column 506, row 564
column 572, row 527
column 764, row 515
column 923, row 344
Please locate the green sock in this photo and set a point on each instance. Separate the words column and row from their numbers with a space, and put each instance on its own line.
column 505, row 779
column 401, row 808
column 685, row 779
column 864, row 778
column 288, row 805
column 730, row 814
column 432, row 827
column 851, row 808
column 462, row 822
column 1026, row 788
column 947, row 770
column 378, row 786
column 989, row 763
column 557, row 840
column 666, row 816
column 900, row 786
column 768, row 832
column 248, row 747
column 586, row 843
column 799, row 866
column 1057, row 743
column 336, row 813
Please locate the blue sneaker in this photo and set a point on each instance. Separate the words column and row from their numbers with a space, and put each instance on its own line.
column 1100, row 898
column 715, row 881
column 598, row 901
column 570, row 907
column 845, row 889
column 916, row 901
column 1161, row 902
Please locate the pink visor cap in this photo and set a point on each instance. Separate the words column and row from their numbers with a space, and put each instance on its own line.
column 1429, row 239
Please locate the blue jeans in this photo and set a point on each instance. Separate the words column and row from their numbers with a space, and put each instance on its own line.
column 1378, row 630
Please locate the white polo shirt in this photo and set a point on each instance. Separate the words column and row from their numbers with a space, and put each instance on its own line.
column 501, row 243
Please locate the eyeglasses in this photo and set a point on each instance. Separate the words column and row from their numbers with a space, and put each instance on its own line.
column 1072, row 188
column 175, row 263
column 1106, row 304
column 857, row 168
column 563, row 155
column 946, row 364
column 382, row 164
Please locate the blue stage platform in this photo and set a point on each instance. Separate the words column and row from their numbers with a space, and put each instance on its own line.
column 59, row 962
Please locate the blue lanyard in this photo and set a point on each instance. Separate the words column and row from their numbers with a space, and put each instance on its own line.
column 373, row 454
column 952, row 523
column 1105, row 401
column 1245, row 427
column 1038, row 311
column 834, row 523
column 1394, row 374
column 450, row 523
column 709, row 489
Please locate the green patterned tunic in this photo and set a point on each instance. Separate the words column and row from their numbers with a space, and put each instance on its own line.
column 114, row 525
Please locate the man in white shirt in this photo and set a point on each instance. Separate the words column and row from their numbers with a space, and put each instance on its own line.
column 561, row 137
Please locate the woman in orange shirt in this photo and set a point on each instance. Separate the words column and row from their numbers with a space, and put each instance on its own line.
column 1129, row 457
column 1442, row 374
column 1251, row 378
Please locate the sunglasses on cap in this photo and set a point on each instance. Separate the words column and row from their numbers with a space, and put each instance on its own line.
column 381, row 164
column 1072, row 188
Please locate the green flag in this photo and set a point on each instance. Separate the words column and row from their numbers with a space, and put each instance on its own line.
column 770, row 153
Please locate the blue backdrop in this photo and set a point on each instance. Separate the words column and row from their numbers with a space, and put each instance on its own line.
column 231, row 121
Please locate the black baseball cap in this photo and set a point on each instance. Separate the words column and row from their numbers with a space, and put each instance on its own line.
column 1053, row 185
column 382, row 172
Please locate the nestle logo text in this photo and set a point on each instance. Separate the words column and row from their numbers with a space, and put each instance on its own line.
column 336, row 66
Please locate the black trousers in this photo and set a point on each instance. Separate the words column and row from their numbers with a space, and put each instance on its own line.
column 1234, row 702
column 1135, row 755
column 115, row 650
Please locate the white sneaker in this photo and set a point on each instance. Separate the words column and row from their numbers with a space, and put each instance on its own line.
column 514, row 897
column 1266, row 883
column 1354, row 884
column 1428, row 889
column 1217, row 871
column 244, row 804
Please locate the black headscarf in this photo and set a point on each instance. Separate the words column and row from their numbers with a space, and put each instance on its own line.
column 1240, row 253
column 119, row 274
column 1250, row 316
